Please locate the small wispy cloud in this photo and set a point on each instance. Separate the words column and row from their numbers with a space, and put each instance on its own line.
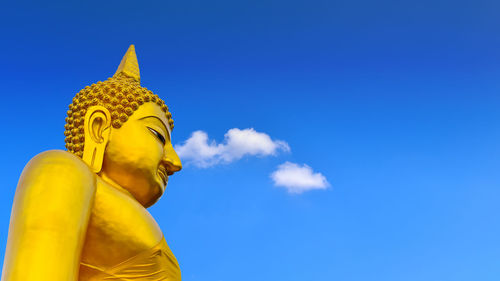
column 202, row 152
column 297, row 179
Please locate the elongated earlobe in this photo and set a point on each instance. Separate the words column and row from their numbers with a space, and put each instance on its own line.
column 97, row 128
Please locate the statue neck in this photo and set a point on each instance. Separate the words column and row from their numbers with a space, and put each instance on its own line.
column 106, row 180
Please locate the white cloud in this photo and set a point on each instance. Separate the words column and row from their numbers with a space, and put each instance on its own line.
column 297, row 179
column 202, row 152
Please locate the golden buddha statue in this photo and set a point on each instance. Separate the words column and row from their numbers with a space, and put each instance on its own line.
column 81, row 214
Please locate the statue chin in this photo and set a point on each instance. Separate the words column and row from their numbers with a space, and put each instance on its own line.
column 146, row 194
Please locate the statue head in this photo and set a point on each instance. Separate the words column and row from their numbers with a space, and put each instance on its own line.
column 122, row 131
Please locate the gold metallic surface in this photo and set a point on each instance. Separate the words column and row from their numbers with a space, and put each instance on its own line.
column 129, row 65
column 81, row 215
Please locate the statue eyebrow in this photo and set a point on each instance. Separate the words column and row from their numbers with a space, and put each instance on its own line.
column 163, row 126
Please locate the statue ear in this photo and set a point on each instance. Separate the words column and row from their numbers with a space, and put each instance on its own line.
column 97, row 129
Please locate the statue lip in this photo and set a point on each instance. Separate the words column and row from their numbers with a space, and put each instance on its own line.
column 163, row 174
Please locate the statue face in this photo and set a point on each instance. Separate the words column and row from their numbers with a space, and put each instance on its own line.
column 139, row 156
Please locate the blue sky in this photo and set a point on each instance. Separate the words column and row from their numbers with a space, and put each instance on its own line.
column 394, row 103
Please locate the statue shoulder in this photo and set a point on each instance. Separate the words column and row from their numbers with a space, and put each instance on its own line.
column 49, row 218
column 57, row 168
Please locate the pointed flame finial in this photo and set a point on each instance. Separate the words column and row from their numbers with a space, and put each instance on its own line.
column 129, row 65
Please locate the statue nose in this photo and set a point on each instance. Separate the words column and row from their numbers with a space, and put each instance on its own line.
column 171, row 160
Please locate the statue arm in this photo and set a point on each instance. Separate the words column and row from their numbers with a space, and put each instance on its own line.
column 49, row 218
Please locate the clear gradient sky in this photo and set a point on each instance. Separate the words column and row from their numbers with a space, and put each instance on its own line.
column 395, row 103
